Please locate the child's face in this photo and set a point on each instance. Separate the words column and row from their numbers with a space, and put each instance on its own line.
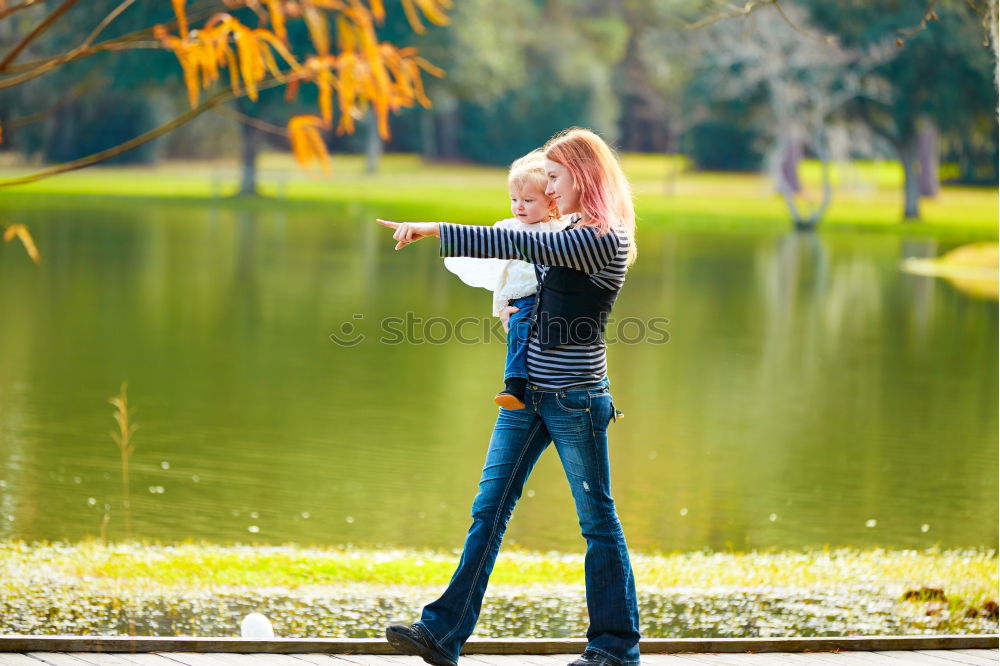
column 530, row 205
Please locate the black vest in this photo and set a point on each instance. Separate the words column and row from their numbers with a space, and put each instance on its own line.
column 570, row 309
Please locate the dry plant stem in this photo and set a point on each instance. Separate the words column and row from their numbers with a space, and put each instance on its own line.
column 42, row 27
column 141, row 139
column 123, row 438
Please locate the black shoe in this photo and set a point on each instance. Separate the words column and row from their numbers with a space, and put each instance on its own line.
column 410, row 640
column 590, row 658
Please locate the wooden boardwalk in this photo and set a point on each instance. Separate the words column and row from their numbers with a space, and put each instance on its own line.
column 853, row 658
column 193, row 651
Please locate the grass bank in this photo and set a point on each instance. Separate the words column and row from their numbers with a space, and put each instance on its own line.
column 868, row 195
column 205, row 589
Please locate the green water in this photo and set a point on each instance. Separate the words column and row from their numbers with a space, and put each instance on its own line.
column 810, row 393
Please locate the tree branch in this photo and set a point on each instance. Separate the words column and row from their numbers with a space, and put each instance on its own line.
column 39, row 29
column 104, row 24
column 54, row 63
column 16, row 8
column 211, row 102
column 35, row 117
column 928, row 15
column 734, row 12
column 111, row 44
column 250, row 120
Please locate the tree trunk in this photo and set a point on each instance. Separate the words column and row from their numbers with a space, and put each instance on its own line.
column 928, row 150
column 447, row 132
column 428, row 137
column 373, row 145
column 791, row 153
column 445, row 120
column 910, row 154
column 251, row 137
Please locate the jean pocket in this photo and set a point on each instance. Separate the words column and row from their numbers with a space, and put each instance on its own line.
column 573, row 401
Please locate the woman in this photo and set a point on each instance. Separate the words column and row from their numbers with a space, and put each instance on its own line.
column 581, row 270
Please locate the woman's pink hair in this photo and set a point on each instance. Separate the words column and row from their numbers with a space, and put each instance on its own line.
column 605, row 195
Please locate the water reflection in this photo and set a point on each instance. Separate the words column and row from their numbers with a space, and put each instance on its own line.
column 808, row 387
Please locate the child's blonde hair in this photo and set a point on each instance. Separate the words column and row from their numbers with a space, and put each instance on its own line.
column 529, row 172
column 605, row 195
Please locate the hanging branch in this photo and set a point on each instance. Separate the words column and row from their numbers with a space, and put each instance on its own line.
column 262, row 125
column 34, row 34
column 44, row 113
column 106, row 22
column 214, row 101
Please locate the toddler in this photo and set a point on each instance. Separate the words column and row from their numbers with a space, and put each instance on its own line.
column 513, row 282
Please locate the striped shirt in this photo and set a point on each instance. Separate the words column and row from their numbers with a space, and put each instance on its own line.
column 602, row 258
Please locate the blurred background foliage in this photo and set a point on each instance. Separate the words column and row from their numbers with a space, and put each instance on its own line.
column 518, row 71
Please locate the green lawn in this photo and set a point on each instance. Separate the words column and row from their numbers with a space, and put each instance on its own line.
column 867, row 197
column 202, row 589
column 971, row 574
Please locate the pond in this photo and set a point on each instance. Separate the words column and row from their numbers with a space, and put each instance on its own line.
column 780, row 391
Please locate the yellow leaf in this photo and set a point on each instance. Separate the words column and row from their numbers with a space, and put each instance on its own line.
column 411, row 16
column 307, row 144
column 319, row 30
column 429, row 68
column 182, row 22
column 434, row 10
column 324, row 81
column 279, row 47
column 345, row 36
column 248, row 60
column 278, row 19
column 234, row 74
column 21, row 232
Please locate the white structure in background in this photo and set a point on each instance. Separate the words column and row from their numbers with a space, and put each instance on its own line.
column 256, row 625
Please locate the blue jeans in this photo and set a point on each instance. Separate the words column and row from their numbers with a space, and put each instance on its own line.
column 518, row 332
column 577, row 421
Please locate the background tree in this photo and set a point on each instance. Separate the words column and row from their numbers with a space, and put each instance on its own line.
column 941, row 79
column 940, row 75
column 803, row 80
column 246, row 40
column 351, row 70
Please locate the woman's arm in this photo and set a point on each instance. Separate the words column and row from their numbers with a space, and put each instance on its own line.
column 581, row 248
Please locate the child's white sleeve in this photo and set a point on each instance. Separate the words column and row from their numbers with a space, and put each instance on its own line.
column 483, row 273
column 518, row 281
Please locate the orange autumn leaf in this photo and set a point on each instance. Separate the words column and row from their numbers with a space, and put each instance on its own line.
column 277, row 19
column 182, row 22
column 319, row 29
column 307, row 144
column 432, row 9
column 362, row 74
